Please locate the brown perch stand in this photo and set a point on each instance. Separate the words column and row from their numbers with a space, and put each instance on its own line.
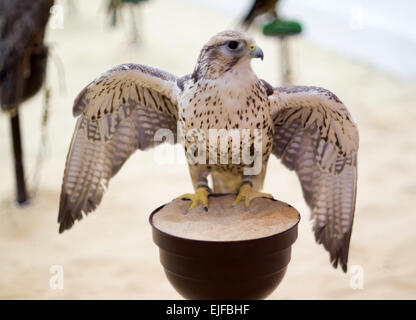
column 21, row 192
column 227, row 252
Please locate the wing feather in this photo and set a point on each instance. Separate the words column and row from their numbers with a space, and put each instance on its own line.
column 316, row 136
column 119, row 112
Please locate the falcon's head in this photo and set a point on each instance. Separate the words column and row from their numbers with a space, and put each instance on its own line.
column 225, row 51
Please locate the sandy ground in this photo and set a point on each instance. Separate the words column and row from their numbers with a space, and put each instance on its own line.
column 110, row 254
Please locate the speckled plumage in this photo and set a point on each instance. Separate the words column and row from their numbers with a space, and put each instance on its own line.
column 308, row 128
column 224, row 103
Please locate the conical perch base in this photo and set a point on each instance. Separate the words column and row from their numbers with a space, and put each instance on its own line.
column 225, row 253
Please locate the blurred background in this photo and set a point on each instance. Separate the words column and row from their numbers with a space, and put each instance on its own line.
column 363, row 51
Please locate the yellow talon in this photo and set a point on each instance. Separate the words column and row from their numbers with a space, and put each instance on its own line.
column 200, row 196
column 246, row 192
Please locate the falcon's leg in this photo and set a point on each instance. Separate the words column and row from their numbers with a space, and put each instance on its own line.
column 199, row 176
column 247, row 193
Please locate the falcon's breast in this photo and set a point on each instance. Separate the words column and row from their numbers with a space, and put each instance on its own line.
column 236, row 104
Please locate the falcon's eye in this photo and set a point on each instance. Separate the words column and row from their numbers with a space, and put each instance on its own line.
column 232, row 45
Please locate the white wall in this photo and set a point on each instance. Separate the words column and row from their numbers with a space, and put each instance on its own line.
column 378, row 32
column 381, row 33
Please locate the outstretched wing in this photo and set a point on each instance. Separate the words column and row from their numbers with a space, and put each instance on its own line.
column 119, row 112
column 316, row 136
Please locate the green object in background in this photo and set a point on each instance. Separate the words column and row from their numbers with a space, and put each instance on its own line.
column 282, row 28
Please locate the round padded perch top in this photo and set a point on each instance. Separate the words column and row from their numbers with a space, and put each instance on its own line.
column 227, row 252
column 223, row 222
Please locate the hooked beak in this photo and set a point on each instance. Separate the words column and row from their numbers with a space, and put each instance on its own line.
column 256, row 52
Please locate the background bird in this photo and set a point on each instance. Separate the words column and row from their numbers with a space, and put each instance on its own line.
column 23, row 54
column 258, row 8
column 308, row 128
column 23, row 57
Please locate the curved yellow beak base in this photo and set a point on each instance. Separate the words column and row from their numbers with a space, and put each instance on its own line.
column 256, row 52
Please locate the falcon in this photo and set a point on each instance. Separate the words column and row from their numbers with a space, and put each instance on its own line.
column 308, row 128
